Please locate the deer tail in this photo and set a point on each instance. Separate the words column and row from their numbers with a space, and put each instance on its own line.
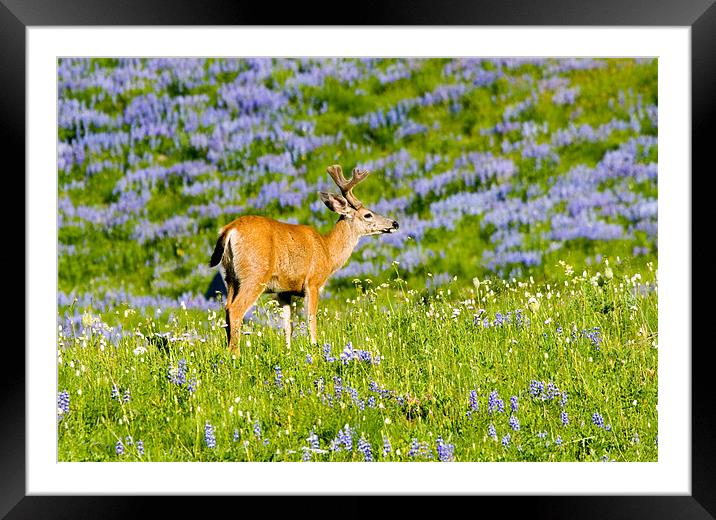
column 218, row 250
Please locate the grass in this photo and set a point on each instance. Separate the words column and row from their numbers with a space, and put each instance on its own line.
column 589, row 339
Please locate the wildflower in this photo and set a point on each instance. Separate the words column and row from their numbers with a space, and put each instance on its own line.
column 327, row 353
column 558, row 441
column 338, row 386
column 279, row 377
column 473, row 400
column 115, row 392
column 257, row 430
column 63, row 402
column 364, row 448
column 552, row 391
column 178, row 375
column 594, row 335
column 495, row 403
column 491, row 431
column 513, row 403
column 565, row 418
column 506, row 440
column 313, row 441
column 563, row 401
column 542, row 435
column 119, row 447
column 536, row 388
column 236, row 435
column 533, row 304
column 306, row 457
column 446, row 452
column 386, row 446
column 514, row 423
column 309, row 359
column 598, row 420
column 344, row 438
column 127, row 396
column 414, row 447
column 140, row 447
column 209, row 437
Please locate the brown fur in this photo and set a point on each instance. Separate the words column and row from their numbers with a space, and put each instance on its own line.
column 260, row 254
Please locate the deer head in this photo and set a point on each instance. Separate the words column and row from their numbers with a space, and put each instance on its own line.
column 362, row 220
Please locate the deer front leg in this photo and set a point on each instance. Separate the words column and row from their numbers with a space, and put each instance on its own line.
column 285, row 301
column 311, row 310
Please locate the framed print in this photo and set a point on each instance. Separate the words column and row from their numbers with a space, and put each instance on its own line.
column 508, row 152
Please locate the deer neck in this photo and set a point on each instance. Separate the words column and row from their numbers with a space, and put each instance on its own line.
column 340, row 241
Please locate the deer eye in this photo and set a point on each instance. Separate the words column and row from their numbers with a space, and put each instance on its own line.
column 368, row 216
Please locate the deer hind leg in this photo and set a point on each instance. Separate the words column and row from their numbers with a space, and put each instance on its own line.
column 249, row 291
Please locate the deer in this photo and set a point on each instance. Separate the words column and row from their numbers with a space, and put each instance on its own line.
column 257, row 255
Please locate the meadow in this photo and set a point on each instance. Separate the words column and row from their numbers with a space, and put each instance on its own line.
column 512, row 317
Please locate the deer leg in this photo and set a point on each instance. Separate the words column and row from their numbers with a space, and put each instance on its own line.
column 246, row 297
column 311, row 304
column 285, row 301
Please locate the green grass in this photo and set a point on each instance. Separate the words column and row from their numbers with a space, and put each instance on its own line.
column 432, row 354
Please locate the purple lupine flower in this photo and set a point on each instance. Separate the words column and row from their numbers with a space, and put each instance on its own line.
column 257, row 429
column 119, row 447
column 364, row 448
column 306, row 456
column 536, row 388
column 309, row 359
column 127, row 396
column 495, row 403
column 564, row 417
column 327, row 353
column 115, row 392
column 446, row 452
column 353, row 393
column 598, row 420
column 506, row 440
column 595, row 336
column 344, row 439
column 414, row 447
column 278, row 381
column 514, row 423
column 338, row 386
column 473, row 401
column 563, row 401
column 387, row 448
column 552, row 391
column 236, row 435
column 491, row 431
column 513, row 403
column 558, row 440
column 209, row 437
column 63, row 402
column 140, row 447
column 313, row 441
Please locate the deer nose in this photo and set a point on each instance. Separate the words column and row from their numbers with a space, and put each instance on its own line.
column 395, row 224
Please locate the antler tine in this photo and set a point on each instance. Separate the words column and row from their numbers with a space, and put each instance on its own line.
column 346, row 186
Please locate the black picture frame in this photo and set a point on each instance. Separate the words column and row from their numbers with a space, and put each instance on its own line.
column 17, row 15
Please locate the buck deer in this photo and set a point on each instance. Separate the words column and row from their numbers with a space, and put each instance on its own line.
column 258, row 254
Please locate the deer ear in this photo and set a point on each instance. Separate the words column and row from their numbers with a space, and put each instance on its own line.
column 336, row 203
